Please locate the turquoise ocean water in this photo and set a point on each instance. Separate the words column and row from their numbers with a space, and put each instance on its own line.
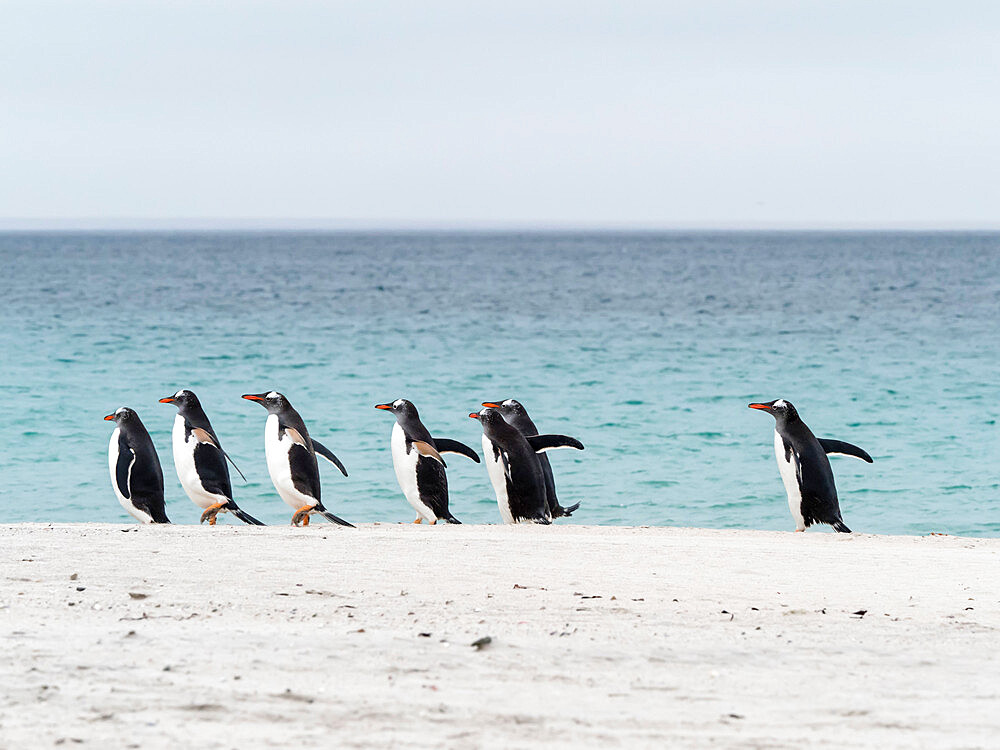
column 647, row 347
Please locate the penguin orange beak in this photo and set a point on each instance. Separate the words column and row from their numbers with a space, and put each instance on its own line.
column 474, row 415
column 109, row 417
column 252, row 397
column 167, row 400
column 491, row 405
column 762, row 407
column 383, row 406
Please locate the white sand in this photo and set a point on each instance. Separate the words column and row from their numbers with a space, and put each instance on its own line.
column 312, row 638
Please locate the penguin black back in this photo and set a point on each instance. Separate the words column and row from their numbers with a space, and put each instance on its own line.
column 420, row 468
column 136, row 474
column 291, row 458
column 517, row 476
column 200, row 460
column 517, row 416
column 805, row 468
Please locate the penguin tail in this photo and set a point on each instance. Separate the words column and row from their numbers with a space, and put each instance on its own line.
column 565, row 512
column 244, row 516
column 334, row 519
column 452, row 519
column 840, row 526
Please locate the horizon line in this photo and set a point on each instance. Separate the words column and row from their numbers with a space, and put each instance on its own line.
column 236, row 224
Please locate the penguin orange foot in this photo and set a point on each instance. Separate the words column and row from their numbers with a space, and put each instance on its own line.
column 420, row 519
column 211, row 512
column 301, row 516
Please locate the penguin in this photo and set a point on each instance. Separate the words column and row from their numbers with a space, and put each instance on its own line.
column 201, row 461
column 805, row 468
column 291, row 459
column 513, row 467
column 517, row 415
column 136, row 476
column 419, row 465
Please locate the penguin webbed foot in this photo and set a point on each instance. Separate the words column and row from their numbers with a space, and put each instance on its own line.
column 301, row 516
column 211, row 513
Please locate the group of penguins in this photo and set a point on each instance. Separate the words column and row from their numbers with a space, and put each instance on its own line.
column 514, row 451
column 519, row 471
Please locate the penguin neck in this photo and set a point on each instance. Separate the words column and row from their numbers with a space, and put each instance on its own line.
column 413, row 428
column 789, row 425
column 499, row 430
column 195, row 416
column 523, row 423
column 290, row 418
column 134, row 431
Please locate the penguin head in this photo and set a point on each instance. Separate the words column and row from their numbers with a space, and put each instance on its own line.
column 488, row 417
column 274, row 402
column 402, row 409
column 123, row 417
column 183, row 400
column 508, row 408
column 780, row 409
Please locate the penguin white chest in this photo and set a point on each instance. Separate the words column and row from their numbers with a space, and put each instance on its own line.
column 280, row 468
column 113, row 449
column 187, row 472
column 789, row 470
column 498, row 478
column 405, row 465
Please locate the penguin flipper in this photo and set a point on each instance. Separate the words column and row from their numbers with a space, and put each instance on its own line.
column 123, row 469
column 453, row 446
column 840, row 448
column 205, row 436
column 542, row 443
column 426, row 449
column 328, row 455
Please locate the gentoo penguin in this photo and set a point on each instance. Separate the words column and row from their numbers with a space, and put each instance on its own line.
column 136, row 476
column 805, row 469
column 514, row 469
column 420, row 468
column 201, row 462
column 291, row 459
column 517, row 415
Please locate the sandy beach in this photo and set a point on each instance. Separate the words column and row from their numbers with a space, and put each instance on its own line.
column 235, row 637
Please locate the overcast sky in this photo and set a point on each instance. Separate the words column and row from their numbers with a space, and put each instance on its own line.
column 686, row 113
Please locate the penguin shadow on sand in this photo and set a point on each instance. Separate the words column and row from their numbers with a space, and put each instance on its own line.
column 805, row 469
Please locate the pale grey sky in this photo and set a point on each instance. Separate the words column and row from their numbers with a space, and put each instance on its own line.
column 688, row 113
